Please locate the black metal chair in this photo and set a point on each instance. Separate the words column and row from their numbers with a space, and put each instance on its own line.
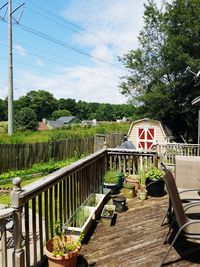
column 189, row 228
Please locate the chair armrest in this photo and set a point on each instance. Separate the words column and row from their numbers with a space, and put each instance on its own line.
column 190, row 190
column 191, row 205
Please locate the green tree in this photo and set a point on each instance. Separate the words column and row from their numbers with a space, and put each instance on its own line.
column 60, row 113
column 83, row 110
column 26, row 119
column 168, row 43
column 42, row 102
column 3, row 110
column 68, row 104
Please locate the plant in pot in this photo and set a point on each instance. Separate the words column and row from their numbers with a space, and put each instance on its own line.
column 142, row 192
column 154, row 182
column 129, row 190
column 111, row 181
column 107, row 214
column 63, row 249
column 133, row 179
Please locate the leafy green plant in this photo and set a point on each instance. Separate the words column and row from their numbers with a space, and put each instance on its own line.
column 39, row 168
column 111, row 177
column 154, row 174
column 142, row 177
column 68, row 132
column 63, row 243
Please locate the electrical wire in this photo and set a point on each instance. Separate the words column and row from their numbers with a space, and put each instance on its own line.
column 56, row 72
column 60, row 63
column 65, row 21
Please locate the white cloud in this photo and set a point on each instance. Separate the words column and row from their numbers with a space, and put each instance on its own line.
column 39, row 62
column 112, row 29
column 20, row 50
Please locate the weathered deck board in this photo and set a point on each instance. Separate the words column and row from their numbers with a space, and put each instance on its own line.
column 135, row 239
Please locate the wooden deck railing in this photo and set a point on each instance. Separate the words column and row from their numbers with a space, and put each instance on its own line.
column 56, row 197
column 168, row 152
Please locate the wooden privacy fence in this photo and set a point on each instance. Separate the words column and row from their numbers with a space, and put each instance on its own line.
column 22, row 156
column 55, row 198
column 168, row 152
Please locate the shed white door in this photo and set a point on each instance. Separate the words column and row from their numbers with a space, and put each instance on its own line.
column 146, row 138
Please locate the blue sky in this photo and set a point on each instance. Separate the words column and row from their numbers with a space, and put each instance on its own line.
column 73, row 48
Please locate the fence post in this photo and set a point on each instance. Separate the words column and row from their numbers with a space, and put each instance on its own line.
column 155, row 160
column 105, row 145
column 18, row 254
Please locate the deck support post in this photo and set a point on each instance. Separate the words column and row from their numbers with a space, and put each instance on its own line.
column 18, row 254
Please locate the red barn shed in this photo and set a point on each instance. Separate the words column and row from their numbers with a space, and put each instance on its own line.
column 145, row 133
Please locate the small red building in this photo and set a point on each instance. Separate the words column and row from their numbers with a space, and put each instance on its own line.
column 146, row 133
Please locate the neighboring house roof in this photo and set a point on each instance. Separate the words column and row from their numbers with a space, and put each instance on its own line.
column 89, row 122
column 62, row 121
column 68, row 119
column 55, row 124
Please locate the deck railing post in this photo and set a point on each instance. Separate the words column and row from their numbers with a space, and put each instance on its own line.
column 155, row 160
column 18, row 254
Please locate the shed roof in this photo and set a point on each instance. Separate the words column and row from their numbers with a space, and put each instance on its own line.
column 167, row 132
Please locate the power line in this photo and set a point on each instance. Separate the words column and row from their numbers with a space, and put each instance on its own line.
column 66, row 65
column 77, row 30
column 50, row 71
column 61, row 43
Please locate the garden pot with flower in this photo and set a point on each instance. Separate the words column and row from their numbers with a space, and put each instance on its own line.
column 111, row 181
column 154, row 182
column 63, row 250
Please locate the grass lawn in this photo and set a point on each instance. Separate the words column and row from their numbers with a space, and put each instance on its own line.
column 5, row 199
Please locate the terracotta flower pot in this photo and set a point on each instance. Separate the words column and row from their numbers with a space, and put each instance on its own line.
column 68, row 260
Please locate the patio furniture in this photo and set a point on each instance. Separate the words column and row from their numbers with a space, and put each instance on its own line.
column 186, row 195
column 189, row 228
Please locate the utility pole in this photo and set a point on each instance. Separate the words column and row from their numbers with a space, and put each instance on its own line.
column 10, row 67
column 10, row 71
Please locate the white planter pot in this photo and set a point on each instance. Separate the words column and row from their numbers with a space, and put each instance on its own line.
column 81, row 221
column 96, row 201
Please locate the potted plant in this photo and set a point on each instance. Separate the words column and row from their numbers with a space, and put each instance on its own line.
column 133, row 179
column 154, row 182
column 63, row 249
column 111, row 181
column 142, row 193
column 107, row 214
column 129, row 190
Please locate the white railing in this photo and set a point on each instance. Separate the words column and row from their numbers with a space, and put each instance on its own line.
column 168, row 152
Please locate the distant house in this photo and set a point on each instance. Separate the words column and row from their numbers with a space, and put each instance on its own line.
column 89, row 122
column 59, row 123
column 145, row 133
column 69, row 120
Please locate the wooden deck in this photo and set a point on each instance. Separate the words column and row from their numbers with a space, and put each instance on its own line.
column 135, row 239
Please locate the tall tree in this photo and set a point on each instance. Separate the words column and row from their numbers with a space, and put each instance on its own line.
column 42, row 102
column 168, row 43
column 68, row 104
column 26, row 119
column 60, row 113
